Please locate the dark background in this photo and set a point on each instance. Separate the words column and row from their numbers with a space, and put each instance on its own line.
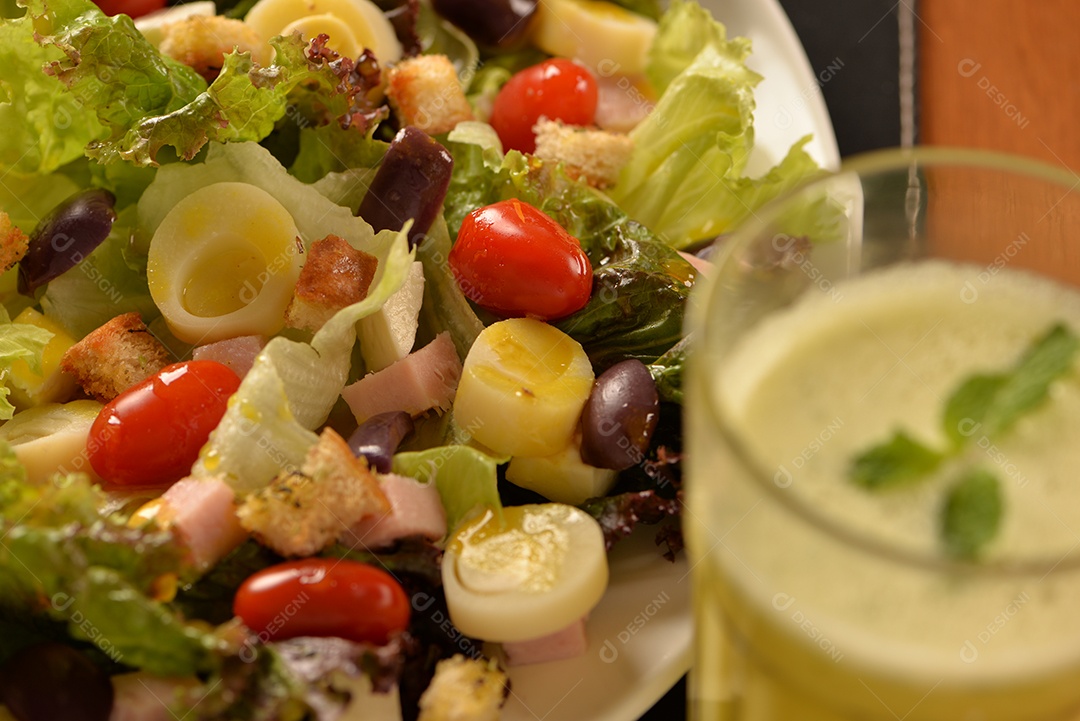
column 864, row 104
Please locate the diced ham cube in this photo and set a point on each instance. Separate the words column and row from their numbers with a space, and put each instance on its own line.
column 566, row 643
column 236, row 353
column 415, row 510
column 420, row 381
column 203, row 514
column 700, row 264
column 142, row 697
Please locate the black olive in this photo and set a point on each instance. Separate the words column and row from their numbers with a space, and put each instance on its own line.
column 411, row 183
column 69, row 233
column 620, row 416
column 491, row 23
column 377, row 438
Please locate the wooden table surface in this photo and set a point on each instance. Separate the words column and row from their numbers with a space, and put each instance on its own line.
column 1001, row 74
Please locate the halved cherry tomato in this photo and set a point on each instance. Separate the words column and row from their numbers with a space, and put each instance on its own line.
column 323, row 597
column 558, row 89
column 513, row 260
column 131, row 8
column 150, row 434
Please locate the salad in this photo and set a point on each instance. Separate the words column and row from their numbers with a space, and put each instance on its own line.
column 339, row 341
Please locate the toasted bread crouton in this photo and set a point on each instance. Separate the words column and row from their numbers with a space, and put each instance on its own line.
column 464, row 688
column 334, row 275
column 301, row 513
column 13, row 243
column 595, row 156
column 202, row 43
column 115, row 357
column 425, row 92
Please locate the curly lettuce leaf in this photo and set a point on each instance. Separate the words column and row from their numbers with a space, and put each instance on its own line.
column 62, row 560
column 110, row 70
column 640, row 284
column 684, row 31
column 44, row 125
column 684, row 177
column 137, row 101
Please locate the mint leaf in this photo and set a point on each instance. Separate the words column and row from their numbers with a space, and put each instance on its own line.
column 1028, row 386
column 991, row 404
column 900, row 460
column 967, row 407
column 972, row 514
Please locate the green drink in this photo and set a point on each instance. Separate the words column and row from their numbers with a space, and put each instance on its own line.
column 823, row 594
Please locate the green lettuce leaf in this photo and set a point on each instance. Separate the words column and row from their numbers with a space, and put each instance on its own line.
column 640, row 290
column 18, row 341
column 684, row 177
column 684, row 31
column 465, row 477
column 445, row 307
column 332, row 149
column 63, row 560
column 110, row 69
column 44, row 125
column 145, row 101
column 27, row 199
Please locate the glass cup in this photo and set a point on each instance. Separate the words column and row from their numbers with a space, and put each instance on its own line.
column 876, row 533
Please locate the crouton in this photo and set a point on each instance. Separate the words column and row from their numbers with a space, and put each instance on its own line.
column 13, row 243
column 462, row 689
column 115, row 357
column 202, row 42
column 303, row 512
column 595, row 156
column 334, row 275
column 425, row 92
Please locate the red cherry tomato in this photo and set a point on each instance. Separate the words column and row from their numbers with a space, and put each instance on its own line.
column 513, row 260
column 150, row 434
column 323, row 597
column 132, row 8
column 558, row 89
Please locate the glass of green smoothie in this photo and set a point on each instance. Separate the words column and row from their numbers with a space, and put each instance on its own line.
column 883, row 434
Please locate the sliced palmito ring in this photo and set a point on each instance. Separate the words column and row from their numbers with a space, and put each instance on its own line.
column 534, row 572
column 224, row 263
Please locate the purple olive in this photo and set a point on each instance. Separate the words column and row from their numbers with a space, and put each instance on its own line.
column 377, row 438
column 491, row 23
column 620, row 416
column 411, row 183
column 65, row 236
column 52, row 681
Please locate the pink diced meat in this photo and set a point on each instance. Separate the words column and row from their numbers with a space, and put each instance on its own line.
column 142, row 697
column 566, row 643
column 236, row 353
column 700, row 264
column 415, row 510
column 620, row 103
column 203, row 514
column 420, row 381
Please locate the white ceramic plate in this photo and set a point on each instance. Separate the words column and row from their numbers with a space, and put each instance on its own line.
column 640, row 634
